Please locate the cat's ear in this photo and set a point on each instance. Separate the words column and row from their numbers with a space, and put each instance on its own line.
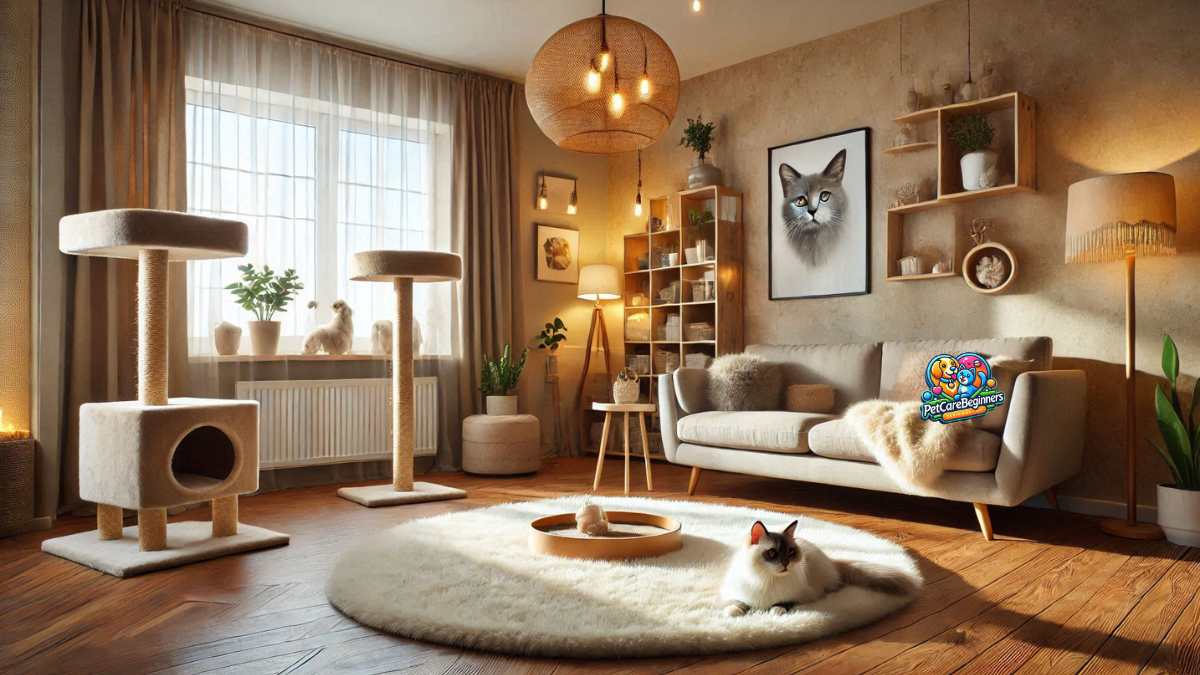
column 788, row 176
column 837, row 167
column 790, row 530
column 757, row 532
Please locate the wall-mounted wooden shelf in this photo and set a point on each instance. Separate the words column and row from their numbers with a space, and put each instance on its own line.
column 911, row 147
column 1018, row 135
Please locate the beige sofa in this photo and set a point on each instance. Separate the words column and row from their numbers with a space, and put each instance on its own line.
column 1039, row 445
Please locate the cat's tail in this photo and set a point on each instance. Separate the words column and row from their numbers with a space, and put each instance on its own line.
column 877, row 577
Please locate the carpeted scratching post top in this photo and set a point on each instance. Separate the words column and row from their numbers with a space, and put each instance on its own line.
column 123, row 233
column 420, row 266
column 468, row 579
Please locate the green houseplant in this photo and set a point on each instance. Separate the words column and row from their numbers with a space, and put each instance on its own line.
column 1178, row 504
column 263, row 293
column 973, row 134
column 499, row 377
column 549, row 338
column 699, row 135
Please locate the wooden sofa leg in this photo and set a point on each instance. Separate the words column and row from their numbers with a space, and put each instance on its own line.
column 693, row 481
column 985, row 521
column 1051, row 498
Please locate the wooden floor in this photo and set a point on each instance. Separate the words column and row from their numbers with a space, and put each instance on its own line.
column 1050, row 595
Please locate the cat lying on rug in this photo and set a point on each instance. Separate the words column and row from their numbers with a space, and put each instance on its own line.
column 775, row 571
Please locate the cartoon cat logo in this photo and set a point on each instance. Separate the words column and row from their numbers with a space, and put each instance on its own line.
column 960, row 388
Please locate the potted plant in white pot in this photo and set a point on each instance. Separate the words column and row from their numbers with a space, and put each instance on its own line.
column 973, row 134
column 549, row 338
column 698, row 135
column 1178, row 504
column 263, row 294
column 498, row 379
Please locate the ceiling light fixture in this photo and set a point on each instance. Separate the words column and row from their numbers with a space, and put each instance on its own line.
column 637, row 204
column 572, row 206
column 543, row 202
column 580, row 107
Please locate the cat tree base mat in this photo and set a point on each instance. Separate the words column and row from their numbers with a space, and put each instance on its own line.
column 374, row 496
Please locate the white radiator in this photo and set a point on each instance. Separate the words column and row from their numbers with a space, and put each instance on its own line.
column 305, row 422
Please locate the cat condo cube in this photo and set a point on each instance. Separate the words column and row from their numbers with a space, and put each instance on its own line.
column 157, row 453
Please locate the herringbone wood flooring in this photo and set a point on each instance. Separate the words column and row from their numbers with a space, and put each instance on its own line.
column 1050, row 595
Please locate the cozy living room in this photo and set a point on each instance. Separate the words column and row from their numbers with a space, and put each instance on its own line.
column 600, row 336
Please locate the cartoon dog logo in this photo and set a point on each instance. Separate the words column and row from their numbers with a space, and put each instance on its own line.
column 960, row 387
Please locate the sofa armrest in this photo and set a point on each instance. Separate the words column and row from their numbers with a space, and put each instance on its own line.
column 679, row 394
column 1044, row 433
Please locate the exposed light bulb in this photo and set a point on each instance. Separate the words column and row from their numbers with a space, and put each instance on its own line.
column 593, row 80
column 618, row 103
column 543, row 203
column 570, row 209
column 603, row 58
column 695, row 5
column 571, row 205
column 644, row 85
column 637, row 205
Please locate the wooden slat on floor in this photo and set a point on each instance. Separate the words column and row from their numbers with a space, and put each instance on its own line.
column 1051, row 594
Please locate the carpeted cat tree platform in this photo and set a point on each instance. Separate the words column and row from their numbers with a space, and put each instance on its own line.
column 402, row 269
column 156, row 453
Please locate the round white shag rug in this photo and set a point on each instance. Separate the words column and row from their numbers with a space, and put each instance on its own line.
column 468, row 579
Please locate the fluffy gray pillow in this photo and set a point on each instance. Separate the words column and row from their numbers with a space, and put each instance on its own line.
column 744, row 382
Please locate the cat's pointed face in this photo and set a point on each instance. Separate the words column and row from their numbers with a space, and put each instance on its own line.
column 774, row 552
column 812, row 201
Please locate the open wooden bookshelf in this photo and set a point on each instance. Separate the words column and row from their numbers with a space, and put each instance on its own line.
column 1014, row 117
column 650, row 343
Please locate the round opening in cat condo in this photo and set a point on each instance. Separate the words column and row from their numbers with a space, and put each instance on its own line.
column 203, row 459
column 989, row 268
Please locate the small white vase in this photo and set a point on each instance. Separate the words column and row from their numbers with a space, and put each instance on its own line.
column 264, row 337
column 498, row 406
column 974, row 165
column 691, row 256
column 1179, row 515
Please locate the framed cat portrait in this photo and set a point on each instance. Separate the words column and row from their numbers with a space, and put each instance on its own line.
column 557, row 254
column 819, row 230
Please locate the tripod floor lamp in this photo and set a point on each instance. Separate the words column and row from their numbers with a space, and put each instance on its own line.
column 596, row 283
column 1125, row 216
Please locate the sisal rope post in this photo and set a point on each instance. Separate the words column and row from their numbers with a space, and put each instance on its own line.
column 402, row 387
column 152, row 529
column 225, row 516
column 110, row 521
column 153, row 317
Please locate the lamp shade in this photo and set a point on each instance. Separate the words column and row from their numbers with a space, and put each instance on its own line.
column 599, row 282
column 1109, row 217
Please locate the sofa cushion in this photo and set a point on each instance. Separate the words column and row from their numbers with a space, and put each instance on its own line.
column 852, row 369
column 837, row 439
column 896, row 358
column 768, row 431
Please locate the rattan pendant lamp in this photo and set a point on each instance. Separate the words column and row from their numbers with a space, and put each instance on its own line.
column 603, row 85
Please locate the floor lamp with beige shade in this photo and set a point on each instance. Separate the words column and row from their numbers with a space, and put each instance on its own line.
column 596, row 283
column 1113, row 218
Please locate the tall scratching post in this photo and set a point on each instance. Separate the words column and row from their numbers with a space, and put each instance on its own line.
column 402, row 269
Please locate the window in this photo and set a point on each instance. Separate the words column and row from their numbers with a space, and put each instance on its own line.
column 315, row 182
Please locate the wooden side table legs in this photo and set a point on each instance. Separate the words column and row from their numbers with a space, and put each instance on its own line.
column 641, row 417
column 603, row 447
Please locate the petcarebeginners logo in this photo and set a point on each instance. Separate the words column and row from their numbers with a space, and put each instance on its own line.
column 960, row 388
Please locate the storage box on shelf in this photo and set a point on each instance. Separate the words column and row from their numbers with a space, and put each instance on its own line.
column 662, row 300
column 1013, row 115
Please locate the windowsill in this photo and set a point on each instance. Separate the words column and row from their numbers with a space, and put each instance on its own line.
column 253, row 358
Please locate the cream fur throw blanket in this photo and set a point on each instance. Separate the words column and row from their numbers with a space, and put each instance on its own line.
column 912, row 450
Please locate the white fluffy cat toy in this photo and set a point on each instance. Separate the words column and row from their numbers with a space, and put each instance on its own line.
column 335, row 337
column 773, row 571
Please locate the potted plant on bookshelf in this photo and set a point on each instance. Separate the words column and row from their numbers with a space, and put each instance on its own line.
column 698, row 135
column 973, row 134
column 549, row 338
column 262, row 293
column 1179, row 503
column 498, row 379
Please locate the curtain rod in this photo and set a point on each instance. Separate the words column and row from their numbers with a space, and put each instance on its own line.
column 303, row 34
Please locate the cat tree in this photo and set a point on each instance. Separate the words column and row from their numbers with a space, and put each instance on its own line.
column 157, row 453
column 402, row 269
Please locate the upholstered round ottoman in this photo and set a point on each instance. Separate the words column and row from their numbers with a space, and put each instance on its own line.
column 501, row 444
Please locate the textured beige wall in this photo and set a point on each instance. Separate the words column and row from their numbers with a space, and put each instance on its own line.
column 545, row 300
column 18, row 61
column 1118, row 89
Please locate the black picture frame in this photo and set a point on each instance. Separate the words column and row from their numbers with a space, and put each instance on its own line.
column 773, row 214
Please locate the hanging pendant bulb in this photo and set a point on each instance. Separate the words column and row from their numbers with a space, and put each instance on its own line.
column 637, row 203
column 593, row 79
column 604, row 56
column 644, row 84
column 695, row 5
column 543, row 202
column 572, row 205
column 617, row 103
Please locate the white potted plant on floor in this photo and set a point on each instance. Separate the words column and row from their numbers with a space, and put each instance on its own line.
column 698, row 135
column 263, row 294
column 549, row 338
column 1178, row 504
column 973, row 134
column 498, row 379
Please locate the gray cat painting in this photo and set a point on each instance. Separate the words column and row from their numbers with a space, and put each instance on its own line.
column 814, row 209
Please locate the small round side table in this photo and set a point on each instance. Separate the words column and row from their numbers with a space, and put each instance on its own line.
column 639, row 409
column 501, row 445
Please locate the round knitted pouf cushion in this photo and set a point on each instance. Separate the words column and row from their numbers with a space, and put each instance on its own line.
column 501, row 444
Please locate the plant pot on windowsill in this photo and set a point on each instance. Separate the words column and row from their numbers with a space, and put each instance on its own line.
column 1179, row 514
column 264, row 337
column 499, row 406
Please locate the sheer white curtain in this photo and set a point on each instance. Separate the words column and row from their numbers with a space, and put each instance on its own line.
column 323, row 153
